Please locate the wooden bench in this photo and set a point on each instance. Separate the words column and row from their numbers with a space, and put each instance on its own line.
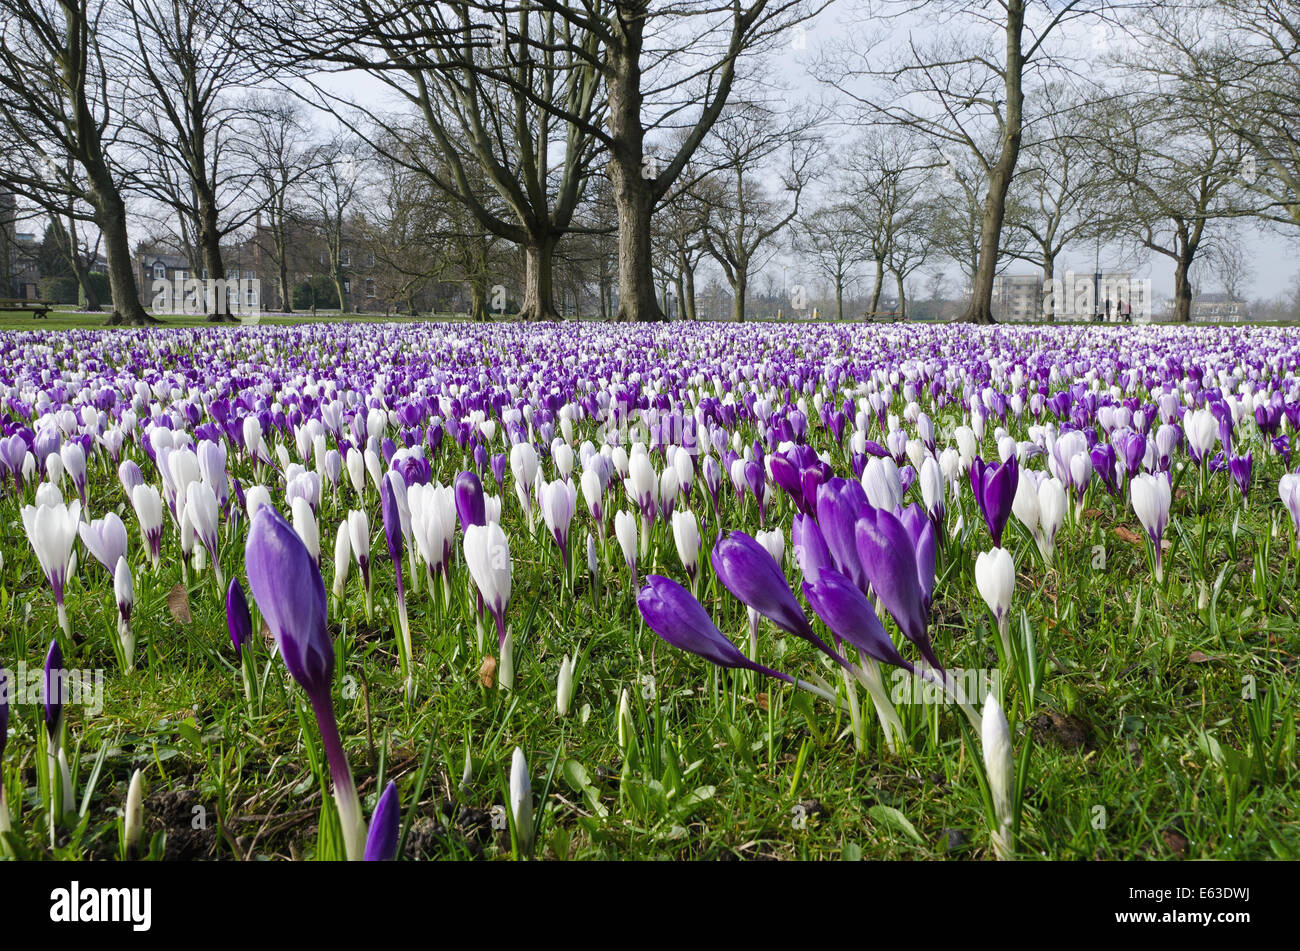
column 24, row 305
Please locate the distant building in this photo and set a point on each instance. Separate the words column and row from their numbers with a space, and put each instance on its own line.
column 1017, row 297
column 1217, row 308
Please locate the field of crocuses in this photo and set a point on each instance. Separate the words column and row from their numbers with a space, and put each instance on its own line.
column 608, row 591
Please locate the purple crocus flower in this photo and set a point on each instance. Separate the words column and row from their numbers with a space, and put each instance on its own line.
column 748, row 571
column 381, row 841
column 849, row 615
column 810, row 551
column 995, row 489
column 389, row 507
column 287, row 586
column 672, row 612
column 840, row 503
column 238, row 620
column 469, row 500
column 53, row 684
column 890, row 559
column 1240, row 467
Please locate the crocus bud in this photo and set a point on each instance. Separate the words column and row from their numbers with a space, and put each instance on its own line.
column 624, row 720
column 342, row 558
column 1000, row 769
column 521, row 800
column 385, row 824
column 625, row 532
column 304, row 523
column 133, row 815
column 124, row 593
column 290, row 595
column 564, row 687
column 686, row 535
column 239, row 621
column 995, row 577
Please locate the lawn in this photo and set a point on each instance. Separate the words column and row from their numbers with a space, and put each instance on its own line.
column 1148, row 718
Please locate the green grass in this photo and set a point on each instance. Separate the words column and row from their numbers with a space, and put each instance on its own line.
column 1133, row 675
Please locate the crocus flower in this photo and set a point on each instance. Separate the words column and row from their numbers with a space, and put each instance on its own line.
column 1052, row 503
column 359, row 536
column 487, row 554
column 900, row 571
column 686, row 536
column 995, row 577
column 52, row 530
column 290, row 595
column 147, row 503
column 239, row 621
column 124, row 594
column 105, row 539
column 385, row 824
column 999, row 767
column 673, row 613
column 305, row 524
column 391, row 487
column 342, row 559
column 840, row 503
column 558, row 502
column 995, row 490
column 748, row 571
column 564, row 687
column 469, row 500
column 523, row 466
column 1151, row 500
column 850, row 617
column 1239, row 467
column 625, row 532
column 521, row 800
column 1288, row 489
column 133, row 814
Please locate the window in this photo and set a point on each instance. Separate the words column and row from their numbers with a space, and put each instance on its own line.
column 370, row 288
column 159, row 271
column 345, row 257
column 370, row 259
column 251, row 296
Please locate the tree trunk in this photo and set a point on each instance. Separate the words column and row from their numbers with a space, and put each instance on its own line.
column 738, row 295
column 902, row 299
column 877, row 290
column 688, row 290
column 337, row 277
column 538, row 303
column 218, row 308
column 67, row 241
column 110, row 215
column 478, row 299
column 286, row 293
column 995, row 202
column 1183, row 286
column 839, row 297
column 1049, row 289
column 631, row 176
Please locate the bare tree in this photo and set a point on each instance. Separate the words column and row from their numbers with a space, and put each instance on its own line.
column 333, row 188
column 1175, row 177
column 180, row 62
column 1060, row 192
column 750, row 144
column 56, row 103
column 1239, row 60
column 280, row 154
column 831, row 238
column 965, row 88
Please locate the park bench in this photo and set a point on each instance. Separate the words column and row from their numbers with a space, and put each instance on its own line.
column 24, row 305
